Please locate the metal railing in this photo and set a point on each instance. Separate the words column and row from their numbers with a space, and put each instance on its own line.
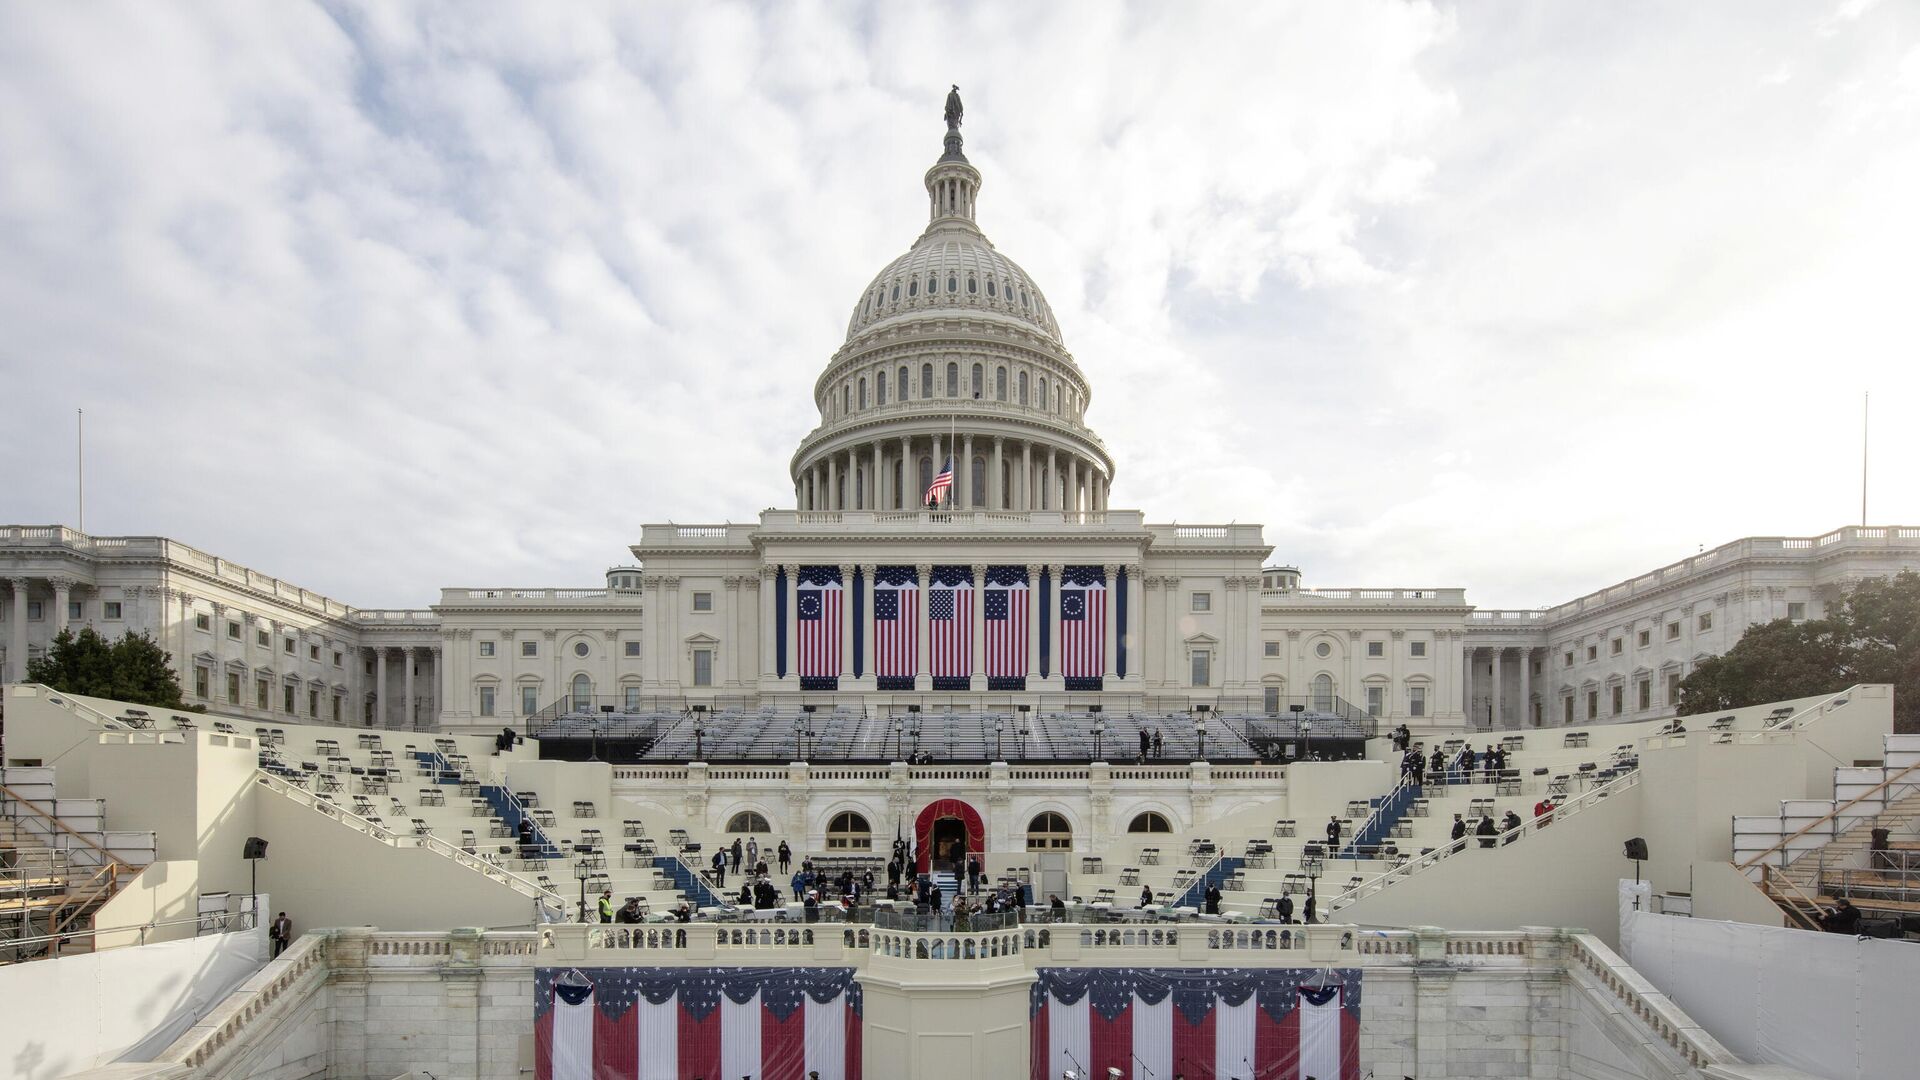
column 1831, row 817
column 50, row 946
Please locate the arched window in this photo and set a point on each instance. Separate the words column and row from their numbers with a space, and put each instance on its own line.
column 846, row 400
column 973, row 284
column 953, row 284
column 896, row 292
column 880, row 388
column 933, row 284
column 926, row 474
column 748, row 821
column 863, row 393
column 953, row 380
column 1049, row 832
column 979, row 384
column 990, row 289
column 849, row 831
column 582, row 693
column 1023, row 388
column 913, row 287
column 979, row 473
column 1150, row 822
column 1323, row 693
column 904, row 385
column 926, row 380
column 1000, row 384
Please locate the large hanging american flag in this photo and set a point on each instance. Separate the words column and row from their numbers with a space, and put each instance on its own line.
column 1230, row 1024
column 942, row 486
column 669, row 1023
column 1083, row 626
column 896, row 627
column 950, row 627
column 1007, row 607
column 820, row 599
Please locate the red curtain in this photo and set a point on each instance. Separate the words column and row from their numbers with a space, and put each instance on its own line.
column 947, row 808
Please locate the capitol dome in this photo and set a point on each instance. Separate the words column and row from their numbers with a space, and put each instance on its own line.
column 953, row 356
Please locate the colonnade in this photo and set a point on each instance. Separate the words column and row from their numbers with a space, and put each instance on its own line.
column 1018, row 474
column 1487, row 694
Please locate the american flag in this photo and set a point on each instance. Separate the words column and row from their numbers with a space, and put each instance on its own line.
column 819, row 595
column 942, row 485
column 950, row 624
column 896, row 624
column 1006, row 617
column 663, row 1023
column 1213, row 1022
column 1083, row 622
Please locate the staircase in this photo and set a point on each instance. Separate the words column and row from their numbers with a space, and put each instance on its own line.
column 57, row 872
column 687, row 881
column 949, row 887
column 507, row 808
column 1223, row 868
column 1387, row 812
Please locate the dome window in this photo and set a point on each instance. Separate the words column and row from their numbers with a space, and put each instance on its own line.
column 953, row 284
column 990, row 290
column 896, row 292
column 933, row 284
column 913, row 287
column 973, row 285
column 903, row 387
column 1024, row 302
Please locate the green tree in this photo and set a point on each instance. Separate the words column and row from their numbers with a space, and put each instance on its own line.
column 133, row 668
column 1871, row 636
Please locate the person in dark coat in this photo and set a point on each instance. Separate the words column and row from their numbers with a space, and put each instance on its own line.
column 1510, row 823
column 786, row 859
column 739, row 854
column 526, row 838
column 1459, row 827
column 1437, row 765
column 1146, row 896
column 1286, row 907
column 1487, row 831
column 1213, row 900
column 720, row 869
column 1306, row 914
column 1333, row 835
column 1146, row 743
column 973, row 875
column 1159, row 746
column 1843, row 919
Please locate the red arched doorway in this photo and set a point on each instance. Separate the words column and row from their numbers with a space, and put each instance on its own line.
column 944, row 823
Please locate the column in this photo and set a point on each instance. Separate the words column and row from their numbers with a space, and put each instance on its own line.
column 979, row 626
column 1053, row 622
column 17, row 641
column 866, row 626
column 1136, row 618
column 965, row 500
column 879, row 501
column 218, row 691
column 406, row 705
column 1049, row 484
column 922, row 669
column 1466, row 684
column 833, row 482
column 1170, row 646
column 908, row 478
column 1033, row 619
column 1499, row 688
column 1026, row 475
column 996, row 488
column 1109, row 574
column 1070, row 502
column 1526, row 689
column 62, row 592
column 436, row 694
column 792, row 626
column 766, row 623
column 380, row 688
column 846, row 624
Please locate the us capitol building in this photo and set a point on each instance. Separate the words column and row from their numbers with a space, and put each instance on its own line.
column 1021, row 585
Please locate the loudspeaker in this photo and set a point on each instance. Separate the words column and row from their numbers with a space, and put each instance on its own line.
column 1637, row 849
column 256, row 848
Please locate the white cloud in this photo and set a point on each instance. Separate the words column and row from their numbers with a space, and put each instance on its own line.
column 1522, row 298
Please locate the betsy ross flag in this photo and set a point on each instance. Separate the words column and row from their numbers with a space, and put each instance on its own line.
column 820, row 602
column 1006, row 614
column 942, row 485
column 668, row 1023
column 896, row 626
column 1083, row 626
column 950, row 627
column 1242, row 1023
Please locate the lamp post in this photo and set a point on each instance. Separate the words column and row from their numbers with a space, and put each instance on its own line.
column 1306, row 733
column 799, row 751
column 1200, row 733
column 1311, row 866
column 899, row 735
column 999, row 722
column 581, row 872
column 1099, row 732
column 699, row 736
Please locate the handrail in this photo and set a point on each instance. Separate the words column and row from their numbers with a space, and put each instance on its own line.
column 1794, row 722
column 395, row 839
column 1797, row 910
column 1420, row 862
column 1824, row 819
column 241, row 921
column 61, row 826
column 64, row 700
column 1662, row 1017
column 83, row 903
column 1353, row 845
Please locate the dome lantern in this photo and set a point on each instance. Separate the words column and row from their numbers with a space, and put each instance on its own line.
column 953, row 183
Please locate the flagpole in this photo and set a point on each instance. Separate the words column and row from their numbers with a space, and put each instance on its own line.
column 1866, row 402
column 80, row 460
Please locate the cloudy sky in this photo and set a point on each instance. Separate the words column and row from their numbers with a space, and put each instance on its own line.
column 1523, row 297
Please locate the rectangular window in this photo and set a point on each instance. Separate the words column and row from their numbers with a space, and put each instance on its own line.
column 1593, row 652
column 74, row 609
column 1271, row 700
column 1673, row 688
column 233, row 630
column 286, row 699
column 313, row 652
column 337, row 699
column 1616, row 647
column 1646, row 638
column 1567, row 659
column 35, row 611
column 313, row 704
column 200, row 677
column 1566, row 709
column 1673, row 631
column 1376, row 700
column 369, row 666
column 1202, row 667
column 529, row 648
column 1706, row 620
column 1417, row 700
column 260, row 693
column 631, row 698
column 338, row 657
column 1418, row 648
column 1376, row 648
column 703, row 601
column 1646, row 694
column 529, row 700
column 632, row 648
column 202, row 621
column 1202, row 601
column 1617, row 697
column 486, row 701
column 703, row 667
column 110, row 609
column 1796, row 611
column 233, row 688
column 261, row 639
column 1273, row 648
column 486, row 648
column 1593, row 704
column 287, row 646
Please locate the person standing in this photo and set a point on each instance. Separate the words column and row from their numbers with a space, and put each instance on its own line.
column 606, row 906
column 1159, row 745
column 720, row 868
column 1306, row 915
column 1487, row 832
column 1333, row 835
column 1285, row 907
column 1459, row 827
column 739, row 854
column 973, row 875
column 753, row 851
column 280, row 932
column 1146, row 743
column 1213, row 900
column 786, row 859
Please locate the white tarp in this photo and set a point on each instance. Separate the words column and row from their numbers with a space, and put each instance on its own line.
column 1826, row 1004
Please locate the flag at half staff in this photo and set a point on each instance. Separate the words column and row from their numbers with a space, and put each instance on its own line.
column 942, row 485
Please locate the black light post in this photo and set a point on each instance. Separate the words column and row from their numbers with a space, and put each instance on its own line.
column 1200, row 732
column 581, row 872
column 998, row 723
column 1311, row 866
column 1099, row 732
